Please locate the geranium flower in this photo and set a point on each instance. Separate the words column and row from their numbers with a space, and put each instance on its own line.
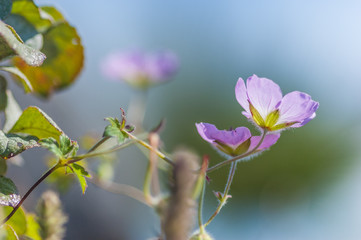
column 140, row 69
column 263, row 103
column 234, row 142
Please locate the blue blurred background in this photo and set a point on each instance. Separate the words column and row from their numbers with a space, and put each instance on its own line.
column 306, row 187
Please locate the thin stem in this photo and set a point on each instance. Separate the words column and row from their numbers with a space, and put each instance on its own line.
column 146, row 145
column 211, row 169
column 200, row 209
column 95, row 154
column 98, row 144
column 50, row 171
column 225, row 196
column 117, row 188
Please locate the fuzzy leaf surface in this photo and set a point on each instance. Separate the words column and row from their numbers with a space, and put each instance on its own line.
column 20, row 76
column 12, row 111
column 12, row 144
column 9, row 195
column 11, row 44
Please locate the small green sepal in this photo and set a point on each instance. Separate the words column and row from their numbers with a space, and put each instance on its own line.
column 272, row 119
column 243, row 147
column 258, row 119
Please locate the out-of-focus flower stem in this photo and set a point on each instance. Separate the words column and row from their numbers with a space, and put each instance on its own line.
column 117, row 188
column 221, row 164
column 136, row 109
column 200, row 209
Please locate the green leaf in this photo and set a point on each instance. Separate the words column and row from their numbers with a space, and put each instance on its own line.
column 20, row 76
column 3, row 96
column 81, row 174
column 11, row 44
column 12, row 111
column 64, row 52
column 52, row 14
column 52, row 145
column 67, row 146
column 22, row 26
column 9, row 195
column 3, row 167
column 8, row 233
column 17, row 221
column 13, row 144
column 33, row 228
column 28, row 10
column 5, row 8
column 35, row 122
column 64, row 149
column 114, row 130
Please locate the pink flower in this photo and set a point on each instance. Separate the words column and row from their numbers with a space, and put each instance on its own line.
column 234, row 142
column 263, row 103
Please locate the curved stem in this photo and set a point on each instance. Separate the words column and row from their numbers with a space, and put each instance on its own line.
column 117, row 188
column 146, row 145
column 225, row 196
column 50, row 171
column 211, row 169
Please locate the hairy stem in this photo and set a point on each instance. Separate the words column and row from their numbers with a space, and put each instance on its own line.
column 211, row 169
column 46, row 174
column 225, row 196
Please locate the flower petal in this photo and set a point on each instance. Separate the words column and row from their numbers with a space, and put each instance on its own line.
column 211, row 134
column 263, row 94
column 268, row 141
column 206, row 130
column 297, row 125
column 297, row 107
column 241, row 96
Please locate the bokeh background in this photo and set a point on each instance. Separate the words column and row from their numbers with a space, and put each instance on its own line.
column 306, row 187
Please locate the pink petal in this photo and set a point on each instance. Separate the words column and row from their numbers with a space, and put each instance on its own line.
column 297, row 107
column 210, row 133
column 241, row 96
column 263, row 94
column 268, row 141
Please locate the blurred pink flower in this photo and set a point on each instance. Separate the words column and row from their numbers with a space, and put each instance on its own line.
column 140, row 69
